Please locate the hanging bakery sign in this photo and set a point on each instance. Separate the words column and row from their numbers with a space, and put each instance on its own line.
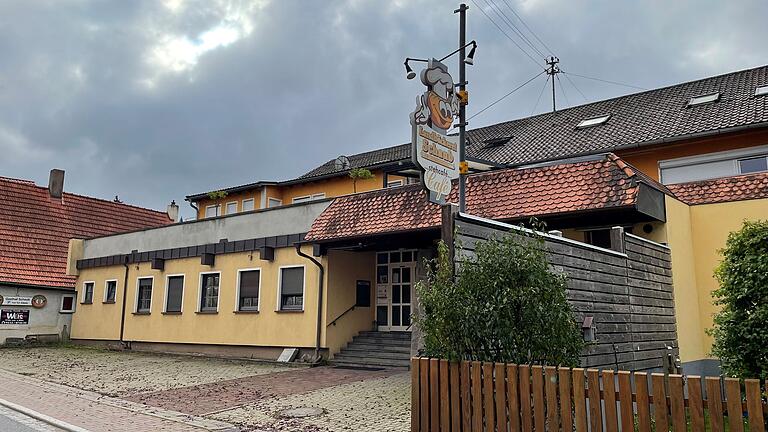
column 434, row 151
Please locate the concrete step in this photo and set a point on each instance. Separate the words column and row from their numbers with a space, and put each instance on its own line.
column 386, row 335
column 372, row 362
column 381, row 342
column 373, row 354
column 378, row 348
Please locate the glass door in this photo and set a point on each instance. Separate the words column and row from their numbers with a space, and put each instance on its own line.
column 394, row 289
column 400, row 306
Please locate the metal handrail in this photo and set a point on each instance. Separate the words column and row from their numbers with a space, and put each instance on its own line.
column 342, row 314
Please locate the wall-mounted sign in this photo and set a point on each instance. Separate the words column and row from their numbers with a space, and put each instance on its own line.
column 436, row 153
column 39, row 301
column 16, row 301
column 14, row 316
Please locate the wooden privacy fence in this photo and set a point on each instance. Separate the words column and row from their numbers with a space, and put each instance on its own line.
column 475, row 396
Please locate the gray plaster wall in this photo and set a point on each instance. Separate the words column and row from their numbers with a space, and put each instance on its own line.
column 44, row 321
column 292, row 219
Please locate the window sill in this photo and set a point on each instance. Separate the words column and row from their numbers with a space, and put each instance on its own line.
column 141, row 313
column 171, row 313
column 68, row 312
column 90, row 302
column 207, row 312
column 290, row 311
column 245, row 311
column 109, row 302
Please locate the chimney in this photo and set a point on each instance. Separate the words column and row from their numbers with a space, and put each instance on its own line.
column 173, row 211
column 56, row 183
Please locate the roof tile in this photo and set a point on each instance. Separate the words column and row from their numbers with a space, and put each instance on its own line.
column 726, row 189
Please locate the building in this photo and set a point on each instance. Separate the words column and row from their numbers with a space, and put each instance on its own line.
column 36, row 223
column 681, row 166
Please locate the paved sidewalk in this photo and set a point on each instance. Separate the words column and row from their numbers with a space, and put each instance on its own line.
column 95, row 412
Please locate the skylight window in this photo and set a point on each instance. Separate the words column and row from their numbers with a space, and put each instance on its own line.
column 762, row 90
column 498, row 141
column 704, row 99
column 595, row 121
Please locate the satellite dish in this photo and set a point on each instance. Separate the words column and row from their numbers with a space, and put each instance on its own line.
column 342, row 163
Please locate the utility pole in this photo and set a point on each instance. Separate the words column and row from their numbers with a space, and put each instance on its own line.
column 552, row 71
column 462, row 11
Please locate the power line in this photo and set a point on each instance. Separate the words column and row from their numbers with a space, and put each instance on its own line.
column 562, row 89
column 504, row 17
column 605, row 81
column 529, row 29
column 505, row 34
column 574, row 86
column 540, row 94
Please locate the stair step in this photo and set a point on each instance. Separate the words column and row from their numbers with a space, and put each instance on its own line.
column 378, row 348
column 373, row 354
column 387, row 335
column 374, row 349
column 381, row 343
column 387, row 363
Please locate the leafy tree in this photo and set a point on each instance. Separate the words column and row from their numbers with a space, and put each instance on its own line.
column 741, row 325
column 504, row 305
column 359, row 174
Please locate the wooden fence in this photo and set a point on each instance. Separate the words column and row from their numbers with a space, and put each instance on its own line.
column 475, row 396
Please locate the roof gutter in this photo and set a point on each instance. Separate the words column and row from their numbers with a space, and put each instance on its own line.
column 319, row 298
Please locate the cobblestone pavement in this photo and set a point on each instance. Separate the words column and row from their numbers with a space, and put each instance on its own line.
column 120, row 373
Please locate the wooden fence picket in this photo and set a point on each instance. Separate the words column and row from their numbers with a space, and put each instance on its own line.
column 643, row 402
column 466, row 398
column 550, row 385
column 609, row 396
column 714, row 403
column 625, row 401
column 445, row 414
column 754, row 405
column 538, row 397
column 524, row 375
column 595, row 414
column 513, row 398
column 564, row 384
column 579, row 400
column 434, row 400
column 477, row 397
column 453, row 371
column 695, row 404
column 733, row 402
column 424, row 382
column 660, row 415
column 677, row 403
column 488, row 406
column 415, row 395
column 501, row 396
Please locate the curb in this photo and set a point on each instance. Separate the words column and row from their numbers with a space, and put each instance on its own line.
column 42, row 417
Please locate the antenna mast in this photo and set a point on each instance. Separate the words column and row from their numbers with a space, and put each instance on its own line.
column 553, row 70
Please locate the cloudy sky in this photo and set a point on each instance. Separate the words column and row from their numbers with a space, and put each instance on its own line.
column 153, row 100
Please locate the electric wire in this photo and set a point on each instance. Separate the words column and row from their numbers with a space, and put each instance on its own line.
column 540, row 94
column 603, row 80
column 507, row 35
column 576, row 87
column 505, row 96
column 562, row 90
column 508, row 21
column 551, row 51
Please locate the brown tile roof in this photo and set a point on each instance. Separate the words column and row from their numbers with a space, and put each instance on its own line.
column 739, row 188
column 35, row 230
column 603, row 182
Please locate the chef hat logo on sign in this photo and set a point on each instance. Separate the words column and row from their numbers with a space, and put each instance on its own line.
column 439, row 104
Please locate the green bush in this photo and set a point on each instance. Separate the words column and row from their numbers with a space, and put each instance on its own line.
column 504, row 305
column 741, row 325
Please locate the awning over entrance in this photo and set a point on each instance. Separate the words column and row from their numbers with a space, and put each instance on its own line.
column 603, row 189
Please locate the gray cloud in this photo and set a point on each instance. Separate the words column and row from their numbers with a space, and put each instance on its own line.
column 155, row 100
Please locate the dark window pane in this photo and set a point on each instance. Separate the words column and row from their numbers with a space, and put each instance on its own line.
column 175, row 293
column 382, row 258
column 395, row 275
column 292, row 288
column 249, row 290
column 407, row 257
column 406, row 293
column 406, row 315
column 145, row 295
column 600, row 238
column 394, row 257
column 67, row 304
column 382, row 276
column 210, row 293
column 396, row 294
column 753, row 165
column 406, row 272
column 88, row 297
column 111, row 291
column 381, row 315
column 395, row 315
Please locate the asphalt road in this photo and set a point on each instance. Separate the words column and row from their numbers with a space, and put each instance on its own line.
column 12, row 421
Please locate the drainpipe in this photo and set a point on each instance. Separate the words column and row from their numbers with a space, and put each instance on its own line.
column 319, row 298
column 125, row 294
column 197, row 210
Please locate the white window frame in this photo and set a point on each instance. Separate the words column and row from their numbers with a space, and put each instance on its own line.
column 703, row 99
column 253, row 204
column 280, row 288
column 761, row 90
column 93, row 291
column 394, row 183
column 200, row 292
column 74, row 304
column 183, row 289
column 726, row 155
column 318, row 196
column 106, row 283
column 276, row 201
column 593, row 121
column 218, row 210
column 237, row 289
column 226, row 207
column 738, row 164
column 301, row 199
column 151, row 297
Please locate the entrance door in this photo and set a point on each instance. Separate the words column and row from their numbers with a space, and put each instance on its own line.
column 394, row 290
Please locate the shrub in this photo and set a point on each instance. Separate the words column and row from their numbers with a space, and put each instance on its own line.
column 505, row 305
column 741, row 325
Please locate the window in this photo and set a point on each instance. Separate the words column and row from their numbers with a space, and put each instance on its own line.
column 110, row 291
column 318, row 196
column 307, row 198
column 292, row 288
column 144, row 295
column 67, row 304
column 248, row 289
column 703, row 99
column 209, row 292
column 394, row 183
column 600, row 238
column 595, row 121
column 753, row 165
column 88, row 292
column 212, row 210
column 274, row 202
column 762, row 90
column 174, row 293
column 232, row 207
column 248, row 204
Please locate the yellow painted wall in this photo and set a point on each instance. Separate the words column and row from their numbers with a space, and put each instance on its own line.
column 647, row 159
column 239, row 197
column 711, row 224
column 344, row 270
column 267, row 328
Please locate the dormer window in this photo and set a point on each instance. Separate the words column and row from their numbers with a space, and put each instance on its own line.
column 704, row 99
column 498, row 141
column 762, row 90
column 594, row 121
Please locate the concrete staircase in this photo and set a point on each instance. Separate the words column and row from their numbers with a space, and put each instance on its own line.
column 373, row 349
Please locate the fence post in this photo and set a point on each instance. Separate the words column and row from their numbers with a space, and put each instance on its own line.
column 415, row 402
column 617, row 239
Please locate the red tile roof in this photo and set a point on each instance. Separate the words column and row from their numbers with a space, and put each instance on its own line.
column 35, row 230
column 507, row 194
column 738, row 188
